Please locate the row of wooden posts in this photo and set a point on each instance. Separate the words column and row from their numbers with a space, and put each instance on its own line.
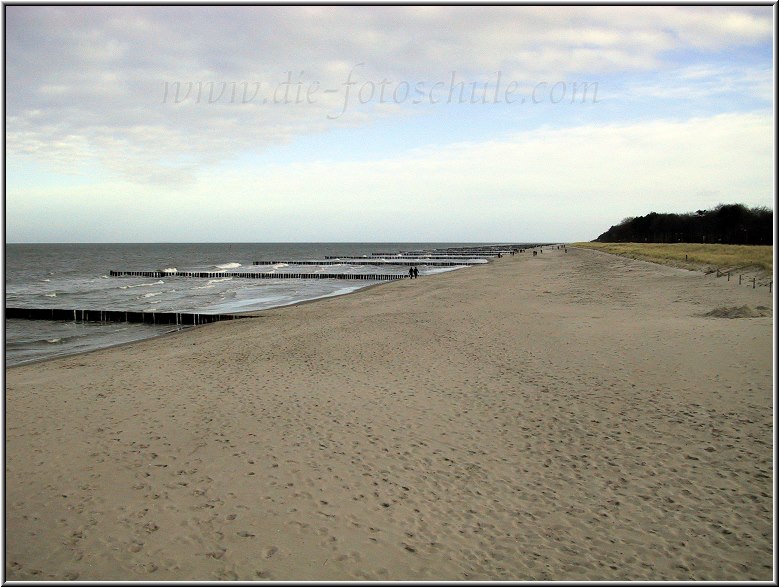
column 754, row 280
column 177, row 318
column 362, row 261
column 259, row 275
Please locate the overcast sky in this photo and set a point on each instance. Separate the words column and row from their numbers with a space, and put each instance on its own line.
column 346, row 123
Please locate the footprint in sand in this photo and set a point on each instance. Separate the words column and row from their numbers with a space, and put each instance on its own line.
column 217, row 554
column 269, row 551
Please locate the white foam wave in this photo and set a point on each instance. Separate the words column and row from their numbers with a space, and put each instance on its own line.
column 54, row 340
column 51, row 295
column 228, row 266
column 280, row 265
column 211, row 283
column 170, row 270
column 152, row 294
column 144, row 284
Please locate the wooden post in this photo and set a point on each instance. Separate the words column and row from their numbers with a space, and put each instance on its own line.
column 739, row 279
column 753, row 283
column 728, row 275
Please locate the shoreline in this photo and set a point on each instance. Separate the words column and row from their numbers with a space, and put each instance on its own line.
column 247, row 313
column 559, row 417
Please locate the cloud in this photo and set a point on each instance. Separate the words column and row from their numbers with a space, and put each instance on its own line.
column 563, row 184
column 549, row 172
column 693, row 83
column 86, row 85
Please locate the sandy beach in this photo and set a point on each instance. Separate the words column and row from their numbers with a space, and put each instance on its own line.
column 570, row 416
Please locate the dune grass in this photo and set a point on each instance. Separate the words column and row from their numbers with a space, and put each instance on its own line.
column 692, row 255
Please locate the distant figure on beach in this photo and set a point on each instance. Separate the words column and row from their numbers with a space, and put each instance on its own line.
column 416, row 272
column 535, row 253
column 411, row 273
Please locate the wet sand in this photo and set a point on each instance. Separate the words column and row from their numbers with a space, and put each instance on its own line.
column 570, row 416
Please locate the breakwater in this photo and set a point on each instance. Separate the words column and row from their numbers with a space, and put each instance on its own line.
column 259, row 275
column 421, row 260
column 178, row 318
column 362, row 261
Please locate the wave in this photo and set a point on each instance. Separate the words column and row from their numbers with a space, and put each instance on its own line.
column 211, row 282
column 280, row 265
column 33, row 342
column 152, row 294
column 160, row 282
column 170, row 270
column 51, row 295
column 228, row 266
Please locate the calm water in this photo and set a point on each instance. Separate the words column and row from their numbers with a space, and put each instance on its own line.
column 75, row 276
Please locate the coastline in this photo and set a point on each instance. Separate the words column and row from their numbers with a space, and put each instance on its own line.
column 568, row 417
column 248, row 313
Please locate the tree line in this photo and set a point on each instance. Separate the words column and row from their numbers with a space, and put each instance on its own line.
column 733, row 224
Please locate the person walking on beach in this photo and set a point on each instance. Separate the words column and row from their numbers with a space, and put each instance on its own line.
column 411, row 273
column 416, row 272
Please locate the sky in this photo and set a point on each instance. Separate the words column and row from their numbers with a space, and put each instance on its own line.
column 379, row 123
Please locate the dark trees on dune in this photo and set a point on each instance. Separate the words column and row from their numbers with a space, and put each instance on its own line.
column 733, row 224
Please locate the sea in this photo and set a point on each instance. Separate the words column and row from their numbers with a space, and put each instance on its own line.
column 77, row 276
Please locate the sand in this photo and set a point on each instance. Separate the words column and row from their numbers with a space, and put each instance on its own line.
column 570, row 416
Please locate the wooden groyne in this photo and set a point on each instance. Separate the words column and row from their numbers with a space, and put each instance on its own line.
column 361, row 261
column 260, row 275
column 178, row 318
column 421, row 259
column 448, row 252
column 458, row 253
column 478, row 251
